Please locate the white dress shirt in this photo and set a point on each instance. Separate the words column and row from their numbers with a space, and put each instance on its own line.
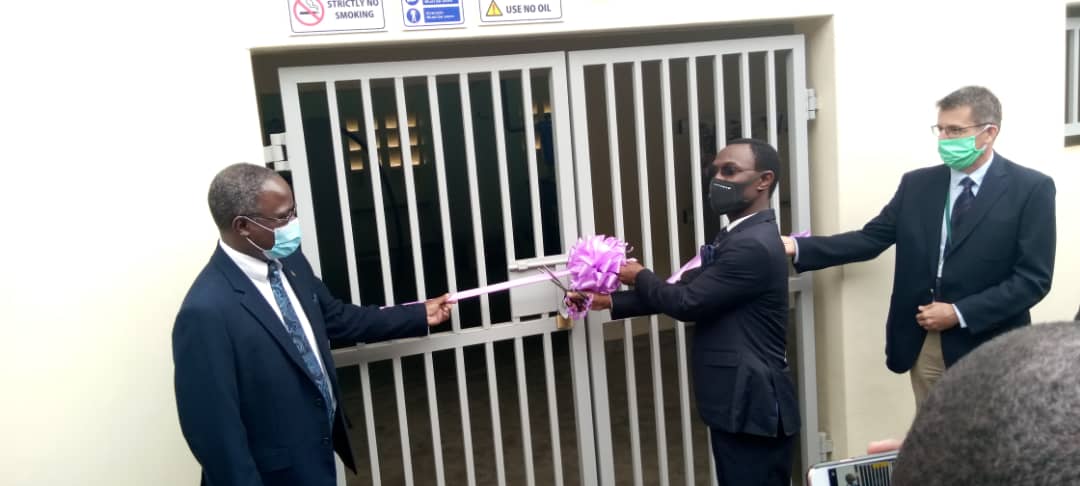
column 256, row 270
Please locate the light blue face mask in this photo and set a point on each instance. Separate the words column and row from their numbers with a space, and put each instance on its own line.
column 286, row 239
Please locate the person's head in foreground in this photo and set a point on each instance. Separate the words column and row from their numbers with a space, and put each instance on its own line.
column 1006, row 414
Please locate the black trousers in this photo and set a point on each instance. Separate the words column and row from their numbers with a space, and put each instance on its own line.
column 752, row 460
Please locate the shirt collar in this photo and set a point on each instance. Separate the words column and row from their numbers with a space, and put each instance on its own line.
column 958, row 175
column 731, row 226
column 254, row 268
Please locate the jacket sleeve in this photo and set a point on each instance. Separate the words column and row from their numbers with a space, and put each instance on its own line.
column 207, row 398
column 1033, row 271
column 817, row 252
column 369, row 324
column 734, row 277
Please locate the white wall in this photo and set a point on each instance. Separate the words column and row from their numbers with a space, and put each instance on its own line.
column 114, row 121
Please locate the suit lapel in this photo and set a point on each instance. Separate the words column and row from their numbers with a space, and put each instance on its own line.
column 995, row 184
column 259, row 308
column 933, row 212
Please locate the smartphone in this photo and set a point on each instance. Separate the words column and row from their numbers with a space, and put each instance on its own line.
column 872, row 470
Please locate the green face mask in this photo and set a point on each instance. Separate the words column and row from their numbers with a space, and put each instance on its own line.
column 960, row 153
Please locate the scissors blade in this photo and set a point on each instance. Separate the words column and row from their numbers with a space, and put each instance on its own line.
column 555, row 280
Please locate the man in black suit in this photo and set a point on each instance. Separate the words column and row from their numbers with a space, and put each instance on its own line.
column 256, row 388
column 974, row 244
column 738, row 299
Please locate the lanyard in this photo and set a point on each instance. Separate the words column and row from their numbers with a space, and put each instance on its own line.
column 948, row 217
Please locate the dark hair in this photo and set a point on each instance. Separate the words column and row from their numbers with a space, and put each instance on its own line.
column 985, row 107
column 765, row 158
column 235, row 192
column 1007, row 413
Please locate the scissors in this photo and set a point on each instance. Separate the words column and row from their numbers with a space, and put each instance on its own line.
column 555, row 280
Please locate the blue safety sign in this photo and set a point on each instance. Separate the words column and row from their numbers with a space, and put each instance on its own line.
column 426, row 14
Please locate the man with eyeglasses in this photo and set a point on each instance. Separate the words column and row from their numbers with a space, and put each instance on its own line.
column 256, row 389
column 975, row 241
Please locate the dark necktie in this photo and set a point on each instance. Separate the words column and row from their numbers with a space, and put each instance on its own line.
column 963, row 203
column 299, row 339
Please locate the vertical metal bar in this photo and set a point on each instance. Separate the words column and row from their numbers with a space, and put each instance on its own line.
column 699, row 238
column 631, row 401
column 799, row 166
column 294, row 138
column 695, row 153
column 508, row 239
column 620, row 233
column 433, row 411
column 474, row 197
column 451, row 273
column 587, row 361
column 721, row 116
column 529, row 126
column 444, row 197
column 646, row 223
column 504, row 176
column 553, row 411
column 466, row 421
column 375, row 166
column 523, row 402
column 405, row 146
column 343, row 191
column 770, row 103
column 369, row 425
column 669, row 164
column 744, row 94
column 403, row 422
column 718, row 100
column 770, row 95
column 496, row 420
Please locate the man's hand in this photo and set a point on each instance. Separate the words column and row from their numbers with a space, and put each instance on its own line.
column 886, row 445
column 438, row 310
column 599, row 301
column 789, row 245
column 628, row 272
column 937, row 316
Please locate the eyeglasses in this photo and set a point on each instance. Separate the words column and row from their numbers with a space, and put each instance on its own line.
column 729, row 169
column 281, row 221
column 937, row 130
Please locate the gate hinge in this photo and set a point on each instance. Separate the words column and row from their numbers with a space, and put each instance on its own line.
column 811, row 104
column 274, row 154
column 825, row 446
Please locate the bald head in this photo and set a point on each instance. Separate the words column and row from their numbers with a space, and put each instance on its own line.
column 1008, row 413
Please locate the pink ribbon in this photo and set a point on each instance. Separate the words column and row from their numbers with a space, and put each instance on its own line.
column 690, row 265
column 487, row 289
column 696, row 261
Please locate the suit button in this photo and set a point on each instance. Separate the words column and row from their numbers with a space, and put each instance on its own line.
column 319, row 402
column 326, row 441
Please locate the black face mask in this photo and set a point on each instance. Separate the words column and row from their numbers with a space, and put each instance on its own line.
column 727, row 197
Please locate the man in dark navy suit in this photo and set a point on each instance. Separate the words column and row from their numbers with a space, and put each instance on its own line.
column 256, row 388
column 974, row 238
column 738, row 300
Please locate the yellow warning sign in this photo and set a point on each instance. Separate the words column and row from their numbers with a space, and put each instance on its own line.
column 493, row 10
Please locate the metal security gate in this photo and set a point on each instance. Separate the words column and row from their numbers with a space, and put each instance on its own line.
column 394, row 117
column 443, row 175
column 646, row 119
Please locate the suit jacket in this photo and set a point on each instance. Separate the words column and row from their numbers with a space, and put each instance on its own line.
column 250, row 412
column 739, row 304
column 999, row 264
